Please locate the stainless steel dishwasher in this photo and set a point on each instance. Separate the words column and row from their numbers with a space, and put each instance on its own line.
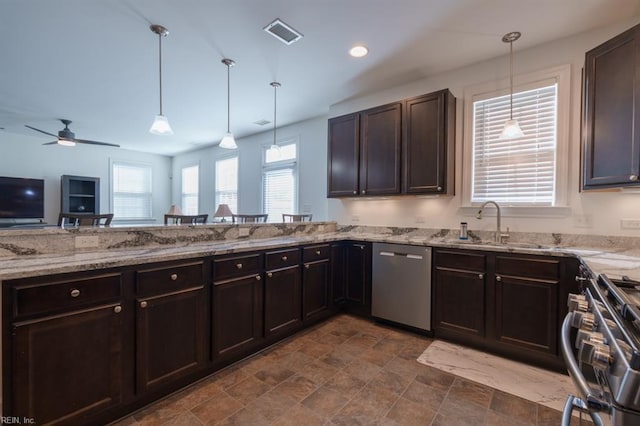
column 401, row 288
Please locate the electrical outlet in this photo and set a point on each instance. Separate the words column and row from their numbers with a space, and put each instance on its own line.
column 583, row 221
column 243, row 232
column 320, row 228
column 355, row 218
column 87, row 241
column 630, row 224
column 419, row 219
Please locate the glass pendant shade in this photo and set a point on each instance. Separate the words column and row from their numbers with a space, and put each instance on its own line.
column 161, row 126
column 228, row 141
column 511, row 130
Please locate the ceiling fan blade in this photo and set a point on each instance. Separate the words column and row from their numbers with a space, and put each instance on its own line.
column 41, row 131
column 95, row 142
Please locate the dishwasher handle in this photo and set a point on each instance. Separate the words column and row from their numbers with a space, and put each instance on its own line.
column 395, row 253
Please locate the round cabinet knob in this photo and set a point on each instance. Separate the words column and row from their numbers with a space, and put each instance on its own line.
column 363, row 192
column 143, row 304
column 239, row 265
column 633, row 178
column 258, row 277
column 355, row 192
column 284, row 258
column 318, row 252
column 498, row 278
column 306, row 266
column 117, row 309
column 174, row 277
column 439, row 188
column 75, row 292
column 269, row 274
column 481, row 276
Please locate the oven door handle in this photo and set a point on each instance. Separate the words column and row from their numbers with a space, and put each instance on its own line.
column 590, row 402
column 574, row 402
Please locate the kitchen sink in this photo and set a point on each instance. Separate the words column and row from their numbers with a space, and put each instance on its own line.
column 485, row 243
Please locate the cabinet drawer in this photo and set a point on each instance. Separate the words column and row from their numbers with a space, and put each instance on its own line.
column 313, row 253
column 528, row 267
column 66, row 294
column 169, row 278
column 282, row 258
column 231, row 267
column 460, row 260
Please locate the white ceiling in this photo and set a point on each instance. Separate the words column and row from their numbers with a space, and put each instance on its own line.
column 95, row 61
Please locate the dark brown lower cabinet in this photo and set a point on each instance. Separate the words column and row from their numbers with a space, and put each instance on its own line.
column 171, row 337
column 315, row 289
column 237, row 315
column 67, row 367
column 282, row 301
column 351, row 277
column 510, row 304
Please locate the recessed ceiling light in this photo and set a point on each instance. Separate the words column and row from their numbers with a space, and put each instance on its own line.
column 358, row 51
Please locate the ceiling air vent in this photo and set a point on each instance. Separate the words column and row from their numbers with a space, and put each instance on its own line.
column 283, row 32
column 262, row 122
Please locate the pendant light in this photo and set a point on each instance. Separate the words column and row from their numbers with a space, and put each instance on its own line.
column 228, row 141
column 274, row 148
column 511, row 129
column 160, row 124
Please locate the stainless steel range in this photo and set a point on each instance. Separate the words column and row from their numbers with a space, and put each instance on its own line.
column 605, row 365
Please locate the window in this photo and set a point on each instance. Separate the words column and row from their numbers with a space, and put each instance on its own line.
column 279, row 182
column 527, row 171
column 227, row 183
column 131, row 186
column 190, row 190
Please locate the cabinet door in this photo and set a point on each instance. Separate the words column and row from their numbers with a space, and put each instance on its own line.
column 380, row 131
column 612, row 113
column 459, row 300
column 338, row 281
column 68, row 366
column 237, row 316
column 526, row 313
column 428, row 144
column 282, row 299
column 171, row 339
column 315, row 289
column 358, row 278
column 343, row 156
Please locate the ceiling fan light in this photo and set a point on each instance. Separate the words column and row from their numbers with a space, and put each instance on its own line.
column 66, row 142
column 161, row 126
column 228, row 141
column 511, row 130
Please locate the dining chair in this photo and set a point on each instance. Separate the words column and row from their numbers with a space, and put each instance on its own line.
column 249, row 218
column 81, row 219
column 296, row 217
column 184, row 219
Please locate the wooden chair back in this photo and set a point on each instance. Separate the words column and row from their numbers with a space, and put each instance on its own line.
column 296, row 217
column 249, row 218
column 81, row 219
column 182, row 219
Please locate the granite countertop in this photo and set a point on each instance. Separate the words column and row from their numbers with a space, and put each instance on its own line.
column 615, row 262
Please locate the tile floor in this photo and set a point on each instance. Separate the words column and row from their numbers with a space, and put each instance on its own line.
column 345, row 371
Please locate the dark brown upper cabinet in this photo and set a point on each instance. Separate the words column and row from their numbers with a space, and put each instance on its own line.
column 611, row 133
column 364, row 152
column 428, row 142
column 404, row 147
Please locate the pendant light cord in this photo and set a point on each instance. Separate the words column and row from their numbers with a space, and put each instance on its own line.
column 160, row 68
column 228, row 98
column 275, row 91
column 511, row 80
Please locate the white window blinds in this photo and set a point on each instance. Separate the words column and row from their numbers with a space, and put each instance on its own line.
column 190, row 190
column 131, row 185
column 227, row 183
column 279, row 192
column 520, row 171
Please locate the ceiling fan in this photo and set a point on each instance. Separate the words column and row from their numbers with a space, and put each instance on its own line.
column 67, row 138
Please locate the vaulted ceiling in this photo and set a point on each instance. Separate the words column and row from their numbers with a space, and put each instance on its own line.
column 96, row 61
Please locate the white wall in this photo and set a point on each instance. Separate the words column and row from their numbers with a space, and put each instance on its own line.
column 23, row 156
column 312, row 169
column 603, row 210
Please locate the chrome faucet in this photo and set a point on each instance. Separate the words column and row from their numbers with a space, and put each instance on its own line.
column 500, row 237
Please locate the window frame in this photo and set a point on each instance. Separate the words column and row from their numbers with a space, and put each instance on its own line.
column 183, row 194
column 215, row 180
column 562, row 76
column 140, row 164
column 277, row 165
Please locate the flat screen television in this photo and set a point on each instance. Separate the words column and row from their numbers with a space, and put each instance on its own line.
column 21, row 198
